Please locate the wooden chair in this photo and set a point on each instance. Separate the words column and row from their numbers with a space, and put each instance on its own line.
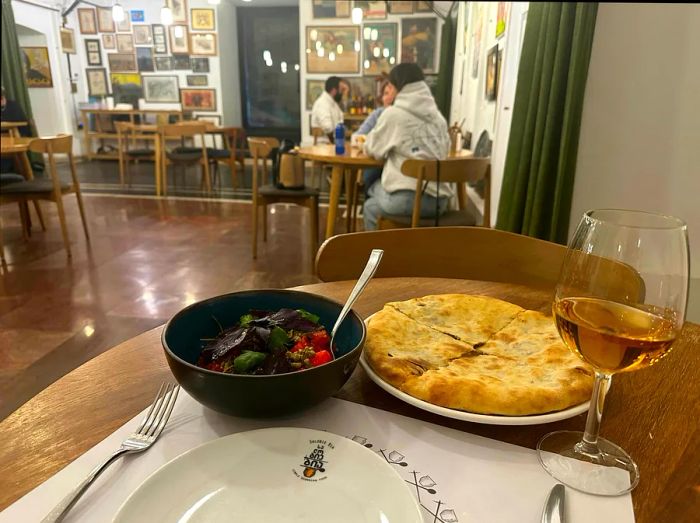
column 128, row 136
column 230, row 154
column 268, row 194
column 184, row 155
column 52, row 189
column 452, row 170
column 317, row 168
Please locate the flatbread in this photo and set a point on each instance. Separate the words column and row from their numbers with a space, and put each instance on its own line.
column 515, row 363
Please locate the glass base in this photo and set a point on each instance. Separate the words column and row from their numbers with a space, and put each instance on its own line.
column 605, row 471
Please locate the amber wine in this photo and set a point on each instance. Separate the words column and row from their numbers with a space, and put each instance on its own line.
column 613, row 337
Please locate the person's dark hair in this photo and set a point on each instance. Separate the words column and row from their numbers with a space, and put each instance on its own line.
column 403, row 74
column 332, row 82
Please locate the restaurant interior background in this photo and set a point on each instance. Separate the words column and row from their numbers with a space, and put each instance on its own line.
column 643, row 70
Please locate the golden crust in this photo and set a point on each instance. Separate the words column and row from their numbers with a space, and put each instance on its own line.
column 520, row 368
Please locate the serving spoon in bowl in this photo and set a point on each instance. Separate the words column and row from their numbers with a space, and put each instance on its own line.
column 372, row 265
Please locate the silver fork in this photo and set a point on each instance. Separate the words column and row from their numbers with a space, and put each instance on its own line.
column 151, row 427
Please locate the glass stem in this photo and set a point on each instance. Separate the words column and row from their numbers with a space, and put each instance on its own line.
column 589, row 444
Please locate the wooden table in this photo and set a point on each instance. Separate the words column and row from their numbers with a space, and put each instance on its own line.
column 17, row 147
column 13, row 127
column 652, row 414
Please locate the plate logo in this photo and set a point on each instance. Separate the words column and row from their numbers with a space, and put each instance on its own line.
column 315, row 462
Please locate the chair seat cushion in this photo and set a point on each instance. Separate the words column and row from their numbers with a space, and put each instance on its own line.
column 450, row 218
column 218, row 153
column 185, row 149
column 7, row 178
column 140, row 153
column 271, row 190
column 31, row 187
column 184, row 156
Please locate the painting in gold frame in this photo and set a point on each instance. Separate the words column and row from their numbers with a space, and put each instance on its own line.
column 198, row 99
column 203, row 44
column 202, row 19
column 87, row 21
column 105, row 22
column 37, row 68
column 179, row 9
column 67, row 40
column 325, row 54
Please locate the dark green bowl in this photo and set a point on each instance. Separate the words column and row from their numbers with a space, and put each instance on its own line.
column 259, row 396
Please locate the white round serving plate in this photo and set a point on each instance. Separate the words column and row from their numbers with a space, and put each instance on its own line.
column 487, row 419
column 276, row 474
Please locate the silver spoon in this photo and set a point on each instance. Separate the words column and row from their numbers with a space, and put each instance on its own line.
column 372, row 265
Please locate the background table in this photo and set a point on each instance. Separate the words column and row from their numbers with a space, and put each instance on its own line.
column 652, row 413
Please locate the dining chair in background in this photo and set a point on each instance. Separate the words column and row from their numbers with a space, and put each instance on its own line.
column 267, row 193
column 185, row 155
column 51, row 189
column 230, row 155
column 317, row 168
column 128, row 137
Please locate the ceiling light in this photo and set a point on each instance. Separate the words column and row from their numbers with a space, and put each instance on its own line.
column 331, row 56
column 313, row 34
column 392, row 60
column 166, row 15
column 367, row 33
column 376, row 52
column 357, row 46
column 117, row 12
column 385, row 52
column 375, row 35
column 296, row 67
column 266, row 55
column 339, row 49
column 318, row 44
column 179, row 31
column 320, row 52
column 357, row 15
column 366, row 64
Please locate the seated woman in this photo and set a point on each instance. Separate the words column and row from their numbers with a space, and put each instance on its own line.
column 411, row 128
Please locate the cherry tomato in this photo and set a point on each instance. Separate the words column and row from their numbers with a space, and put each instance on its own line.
column 321, row 357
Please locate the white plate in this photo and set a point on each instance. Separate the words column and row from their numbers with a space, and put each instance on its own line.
column 486, row 419
column 277, row 474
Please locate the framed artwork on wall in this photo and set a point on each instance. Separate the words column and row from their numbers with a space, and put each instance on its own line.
column 332, row 49
column 179, row 39
column 161, row 89
column 419, row 43
column 143, row 34
column 501, row 20
column 87, row 21
column 105, row 22
column 491, row 74
column 97, row 81
column 198, row 99
column 371, row 10
column 203, row 19
column 163, row 63
column 109, row 41
column 144, row 59
column 423, row 7
column 197, row 80
column 181, row 62
column 213, row 118
column 314, row 89
column 137, row 15
column 124, row 26
column 379, row 50
column 330, row 9
column 67, row 40
column 125, row 43
column 401, row 7
column 160, row 39
column 37, row 68
column 200, row 65
column 93, row 51
column 179, row 9
column 203, row 44
column 122, row 63
column 126, row 88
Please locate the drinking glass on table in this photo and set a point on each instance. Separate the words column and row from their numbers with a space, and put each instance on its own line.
column 619, row 305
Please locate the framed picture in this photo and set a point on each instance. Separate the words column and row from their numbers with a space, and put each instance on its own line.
column 400, row 7
column 179, row 40
column 501, row 20
column 476, row 46
column 37, row 68
column 87, row 21
column 97, row 81
column 179, row 9
column 163, row 63
column 423, row 7
column 93, row 52
column 126, row 88
column 137, row 15
column 144, row 59
column 125, row 43
column 330, row 9
column 124, row 26
column 161, row 89
column 332, row 49
column 109, row 41
column 202, row 19
column 122, row 63
column 498, row 71
column 200, row 65
column 371, row 10
column 491, row 73
column 67, row 40
column 212, row 118
column 198, row 99
column 314, row 89
column 105, row 22
column 197, row 80
column 160, row 39
column 203, row 44
column 143, row 34
column 181, row 62
column 379, row 49
column 419, row 43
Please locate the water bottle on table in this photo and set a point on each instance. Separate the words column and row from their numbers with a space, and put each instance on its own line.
column 340, row 138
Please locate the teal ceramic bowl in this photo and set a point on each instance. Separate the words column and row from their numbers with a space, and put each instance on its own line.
column 259, row 395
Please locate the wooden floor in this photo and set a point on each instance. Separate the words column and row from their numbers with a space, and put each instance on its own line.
column 147, row 259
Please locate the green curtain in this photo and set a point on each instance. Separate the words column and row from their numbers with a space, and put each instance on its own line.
column 538, row 177
column 443, row 89
column 12, row 71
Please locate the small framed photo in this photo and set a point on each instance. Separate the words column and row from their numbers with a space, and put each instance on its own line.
column 202, row 19
column 197, row 80
column 179, row 9
column 122, row 63
column 109, row 41
column 179, row 39
column 125, row 43
column 200, row 65
column 402, row 7
column 371, row 10
column 314, row 89
column 163, row 63
column 211, row 118
column 67, row 40
column 198, row 99
column 143, row 34
column 161, row 89
column 424, row 7
column 491, row 74
column 137, row 15
column 181, row 62
column 144, row 59
column 93, row 51
column 124, row 26
column 87, row 21
column 105, row 22
column 203, row 44
column 160, row 39
column 331, row 9
column 97, row 81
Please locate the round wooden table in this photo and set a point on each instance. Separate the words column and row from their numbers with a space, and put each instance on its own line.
column 13, row 127
column 652, row 414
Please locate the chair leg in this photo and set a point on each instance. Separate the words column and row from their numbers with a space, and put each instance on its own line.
column 79, row 197
column 313, row 239
column 64, row 226
column 37, row 207
column 255, row 230
column 24, row 219
column 234, row 174
column 264, row 222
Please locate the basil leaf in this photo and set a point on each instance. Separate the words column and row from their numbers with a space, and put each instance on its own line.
column 245, row 320
column 308, row 316
column 248, row 360
column 278, row 338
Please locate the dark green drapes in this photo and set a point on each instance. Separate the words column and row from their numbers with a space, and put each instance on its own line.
column 448, row 38
column 12, row 72
column 538, row 178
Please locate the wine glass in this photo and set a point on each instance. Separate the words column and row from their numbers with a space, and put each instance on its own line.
column 619, row 305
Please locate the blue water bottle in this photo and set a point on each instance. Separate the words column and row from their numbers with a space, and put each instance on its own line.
column 340, row 138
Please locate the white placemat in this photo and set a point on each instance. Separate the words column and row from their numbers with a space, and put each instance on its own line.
column 457, row 477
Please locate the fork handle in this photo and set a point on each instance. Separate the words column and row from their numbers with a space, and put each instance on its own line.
column 59, row 511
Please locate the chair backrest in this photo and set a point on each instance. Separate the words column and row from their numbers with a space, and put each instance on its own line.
column 260, row 148
column 452, row 170
column 232, row 138
column 59, row 144
column 317, row 133
column 184, row 129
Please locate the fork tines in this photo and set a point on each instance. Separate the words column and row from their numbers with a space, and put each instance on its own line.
column 157, row 416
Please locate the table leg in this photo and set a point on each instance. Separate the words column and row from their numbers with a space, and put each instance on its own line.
column 336, row 185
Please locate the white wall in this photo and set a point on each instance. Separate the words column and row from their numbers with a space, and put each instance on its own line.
column 640, row 131
column 229, row 66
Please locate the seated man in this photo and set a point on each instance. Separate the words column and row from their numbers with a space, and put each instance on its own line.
column 326, row 114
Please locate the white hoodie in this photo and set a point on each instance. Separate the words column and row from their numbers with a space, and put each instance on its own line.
column 411, row 128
